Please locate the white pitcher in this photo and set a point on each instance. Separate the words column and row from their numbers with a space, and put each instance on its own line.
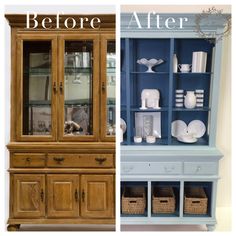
column 190, row 100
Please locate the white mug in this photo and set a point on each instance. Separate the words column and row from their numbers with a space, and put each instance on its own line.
column 184, row 67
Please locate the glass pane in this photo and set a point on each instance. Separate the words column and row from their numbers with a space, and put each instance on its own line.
column 36, row 88
column 78, row 88
column 111, row 87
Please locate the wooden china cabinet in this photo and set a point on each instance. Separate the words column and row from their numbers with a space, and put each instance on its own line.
column 62, row 147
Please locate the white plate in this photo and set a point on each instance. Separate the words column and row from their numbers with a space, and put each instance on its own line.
column 196, row 128
column 187, row 139
column 123, row 125
column 178, row 128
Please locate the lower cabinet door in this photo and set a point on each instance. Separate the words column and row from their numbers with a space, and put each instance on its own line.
column 28, row 195
column 63, row 195
column 97, row 196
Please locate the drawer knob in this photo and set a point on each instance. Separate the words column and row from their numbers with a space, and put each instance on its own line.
column 28, row 159
column 169, row 169
column 59, row 160
column 198, row 169
column 100, row 160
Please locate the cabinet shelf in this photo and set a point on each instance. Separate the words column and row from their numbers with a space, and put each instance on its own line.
column 200, row 141
column 159, row 141
column 136, row 109
column 149, row 73
column 194, row 109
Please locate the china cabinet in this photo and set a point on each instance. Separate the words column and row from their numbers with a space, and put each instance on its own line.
column 62, row 147
column 170, row 116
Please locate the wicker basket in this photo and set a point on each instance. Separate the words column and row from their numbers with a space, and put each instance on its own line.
column 163, row 200
column 133, row 200
column 195, row 201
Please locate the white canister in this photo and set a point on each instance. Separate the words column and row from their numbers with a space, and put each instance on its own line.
column 190, row 100
column 137, row 139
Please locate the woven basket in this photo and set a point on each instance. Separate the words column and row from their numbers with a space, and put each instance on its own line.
column 163, row 200
column 133, row 200
column 195, row 201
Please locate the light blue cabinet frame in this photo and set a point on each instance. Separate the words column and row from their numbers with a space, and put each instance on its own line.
column 136, row 159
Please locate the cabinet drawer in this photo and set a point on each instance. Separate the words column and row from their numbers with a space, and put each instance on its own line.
column 80, row 160
column 200, row 168
column 28, row 160
column 166, row 168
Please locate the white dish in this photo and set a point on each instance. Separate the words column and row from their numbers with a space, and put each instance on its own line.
column 196, row 128
column 123, row 125
column 178, row 128
column 188, row 138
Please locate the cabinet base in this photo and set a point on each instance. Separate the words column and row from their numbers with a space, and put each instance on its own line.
column 13, row 227
column 14, row 222
column 211, row 227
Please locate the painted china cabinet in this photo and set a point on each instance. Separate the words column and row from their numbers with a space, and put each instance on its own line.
column 62, row 147
column 168, row 131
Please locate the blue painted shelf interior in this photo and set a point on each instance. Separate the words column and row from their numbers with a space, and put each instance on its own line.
column 134, row 184
column 176, row 189
column 134, row 79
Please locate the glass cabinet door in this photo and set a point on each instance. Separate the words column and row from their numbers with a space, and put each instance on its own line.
column 78, row 88
column 35, row 64
column 108, row 87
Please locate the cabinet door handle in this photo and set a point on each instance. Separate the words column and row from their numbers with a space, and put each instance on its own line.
column 59, row 160
column 100, row 160
column 83, row 195
column 55, row 87
column 42, row 195
column 103, row 87
column 61, row 88
column 28, row 160
column 76, row 195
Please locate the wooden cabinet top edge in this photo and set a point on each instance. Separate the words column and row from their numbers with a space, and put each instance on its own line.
column 19, row 20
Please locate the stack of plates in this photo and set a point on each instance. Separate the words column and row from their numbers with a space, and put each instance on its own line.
column 188, row 134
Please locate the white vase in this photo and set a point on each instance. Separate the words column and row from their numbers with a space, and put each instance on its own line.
column 190, row 100
column 175, row 64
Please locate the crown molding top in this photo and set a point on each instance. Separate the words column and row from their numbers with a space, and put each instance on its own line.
column 66, row 21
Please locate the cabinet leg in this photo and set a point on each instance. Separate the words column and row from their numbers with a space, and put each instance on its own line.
column 15, row 227
column 211, row 227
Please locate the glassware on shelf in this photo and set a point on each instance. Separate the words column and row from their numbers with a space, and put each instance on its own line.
column 150, row 63
column 37, row 80
column 110, row 86
column 138, row 135
column 78, row 93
